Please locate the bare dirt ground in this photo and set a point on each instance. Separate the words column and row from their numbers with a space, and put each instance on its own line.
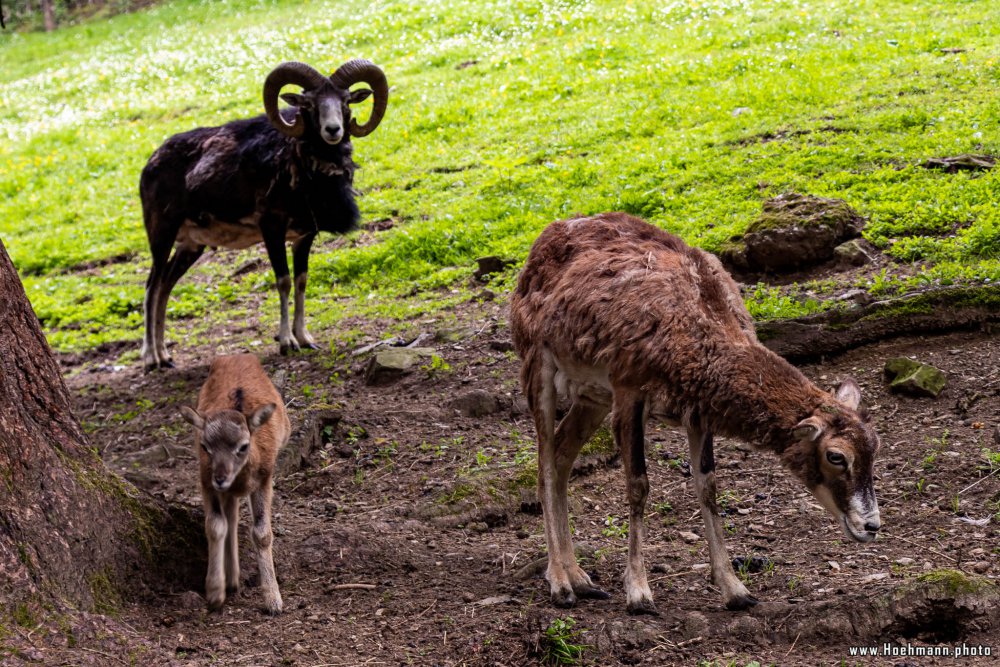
column 399, row 537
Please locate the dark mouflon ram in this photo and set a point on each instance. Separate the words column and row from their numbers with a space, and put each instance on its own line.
column 619, row 316
column 281, row 177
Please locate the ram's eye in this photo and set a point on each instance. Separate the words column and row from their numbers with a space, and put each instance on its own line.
column 836, row 458
column 205, row 449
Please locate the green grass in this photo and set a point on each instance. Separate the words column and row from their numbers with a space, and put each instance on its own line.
column 689, row 113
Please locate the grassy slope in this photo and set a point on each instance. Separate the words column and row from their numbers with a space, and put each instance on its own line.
column 569, row 107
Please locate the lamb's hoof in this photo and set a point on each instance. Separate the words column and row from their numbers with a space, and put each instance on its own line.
column 564, row 599
column 643, row 607
column 151, row 366
column 592, row 593
column 272, row 608
column 215, row 604
column 741, row 602
column 232, row 591
column 287, row 349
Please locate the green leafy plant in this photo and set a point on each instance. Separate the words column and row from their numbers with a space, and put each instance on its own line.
column 559, row 643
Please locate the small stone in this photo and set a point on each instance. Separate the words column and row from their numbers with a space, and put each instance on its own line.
column 981, row 567
column 834, row 565
column 743, row 511
column 904, row 561
column 476, row 403
column 392, row 363
column 875, row 577
column 853, row 253
column 698, row 567
column 689, row 537
column 468, row 597
column 490, row 265
column 522, row 534
column 927, row 565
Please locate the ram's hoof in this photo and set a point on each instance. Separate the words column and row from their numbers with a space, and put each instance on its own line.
column 592, row 593
column 564, row 599
column 741, row 602
column 643, row 607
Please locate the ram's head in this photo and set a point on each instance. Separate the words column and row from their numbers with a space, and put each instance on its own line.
column 323, row 106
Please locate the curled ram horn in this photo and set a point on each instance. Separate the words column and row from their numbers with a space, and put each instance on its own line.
column 360, row 70
column 290, row 73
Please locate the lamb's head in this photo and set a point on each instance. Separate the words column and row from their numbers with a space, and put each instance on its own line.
column 834, row 455
column 224, row 436
column 323, row 107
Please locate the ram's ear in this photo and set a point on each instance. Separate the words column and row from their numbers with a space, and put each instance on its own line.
column 192, row 417
column 297, row 100
column 849, row 393
column 359, row 95
column 809, row 429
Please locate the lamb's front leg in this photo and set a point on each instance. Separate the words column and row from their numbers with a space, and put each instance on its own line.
column 628, row 417
column 231, row 508
column 734, row 593
column 260, row 505
column 300, row 262
column 215, row 531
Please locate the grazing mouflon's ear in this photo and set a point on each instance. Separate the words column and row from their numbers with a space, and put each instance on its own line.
column 809, row 429
column 849, row 393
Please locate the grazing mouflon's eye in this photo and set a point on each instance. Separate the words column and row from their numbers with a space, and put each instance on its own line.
column 836, row 458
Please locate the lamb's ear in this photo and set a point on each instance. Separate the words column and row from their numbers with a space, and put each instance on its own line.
column 260, row 417
column 296, row 100
column 359, row 95
column 193, row 418
column 849, row 393
column 809, row 429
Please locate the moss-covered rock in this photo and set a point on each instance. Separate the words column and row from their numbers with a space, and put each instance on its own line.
column 795, row 231
column 914, row 378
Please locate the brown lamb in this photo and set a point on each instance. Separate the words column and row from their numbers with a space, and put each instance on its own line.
column 240, row 425
column 619, row 316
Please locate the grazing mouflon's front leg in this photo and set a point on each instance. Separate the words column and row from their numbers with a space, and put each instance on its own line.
column 628, row 418
column 734, row 593
column 231, row 508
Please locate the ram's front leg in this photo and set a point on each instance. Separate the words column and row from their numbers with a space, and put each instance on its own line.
column 274, row 241
column 300, row 261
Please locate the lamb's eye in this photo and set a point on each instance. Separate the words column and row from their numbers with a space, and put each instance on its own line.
column 243, row 448
column 836, row 458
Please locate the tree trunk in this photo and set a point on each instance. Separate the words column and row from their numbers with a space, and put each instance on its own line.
column 70, row 530
column 50, row 17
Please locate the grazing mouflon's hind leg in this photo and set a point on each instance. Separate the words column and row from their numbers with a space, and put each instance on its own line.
column 183, row 259
column 274, row 241
column 734, row 593
column 628, row 418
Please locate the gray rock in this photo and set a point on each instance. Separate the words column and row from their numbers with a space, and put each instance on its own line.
column 453, row 334
column 476, row 403
column 914, row 378
column 856, row 252
column 389, row 364
column 964, row 162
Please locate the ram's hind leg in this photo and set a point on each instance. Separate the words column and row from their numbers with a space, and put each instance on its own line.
column 734, row 593
column 183, row 259
column 274, row 241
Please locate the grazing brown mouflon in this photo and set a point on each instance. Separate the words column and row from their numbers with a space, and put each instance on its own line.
column 619, row 316
column 240, row 425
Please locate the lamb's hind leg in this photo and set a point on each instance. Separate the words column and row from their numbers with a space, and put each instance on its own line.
column 628, row 419
column 260, row 504
column 734, row 593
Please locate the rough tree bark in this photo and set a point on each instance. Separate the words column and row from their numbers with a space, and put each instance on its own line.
column 71, row 532
column 48, row 11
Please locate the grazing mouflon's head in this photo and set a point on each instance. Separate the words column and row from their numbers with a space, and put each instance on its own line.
column 834, row 455
column 323, row 107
